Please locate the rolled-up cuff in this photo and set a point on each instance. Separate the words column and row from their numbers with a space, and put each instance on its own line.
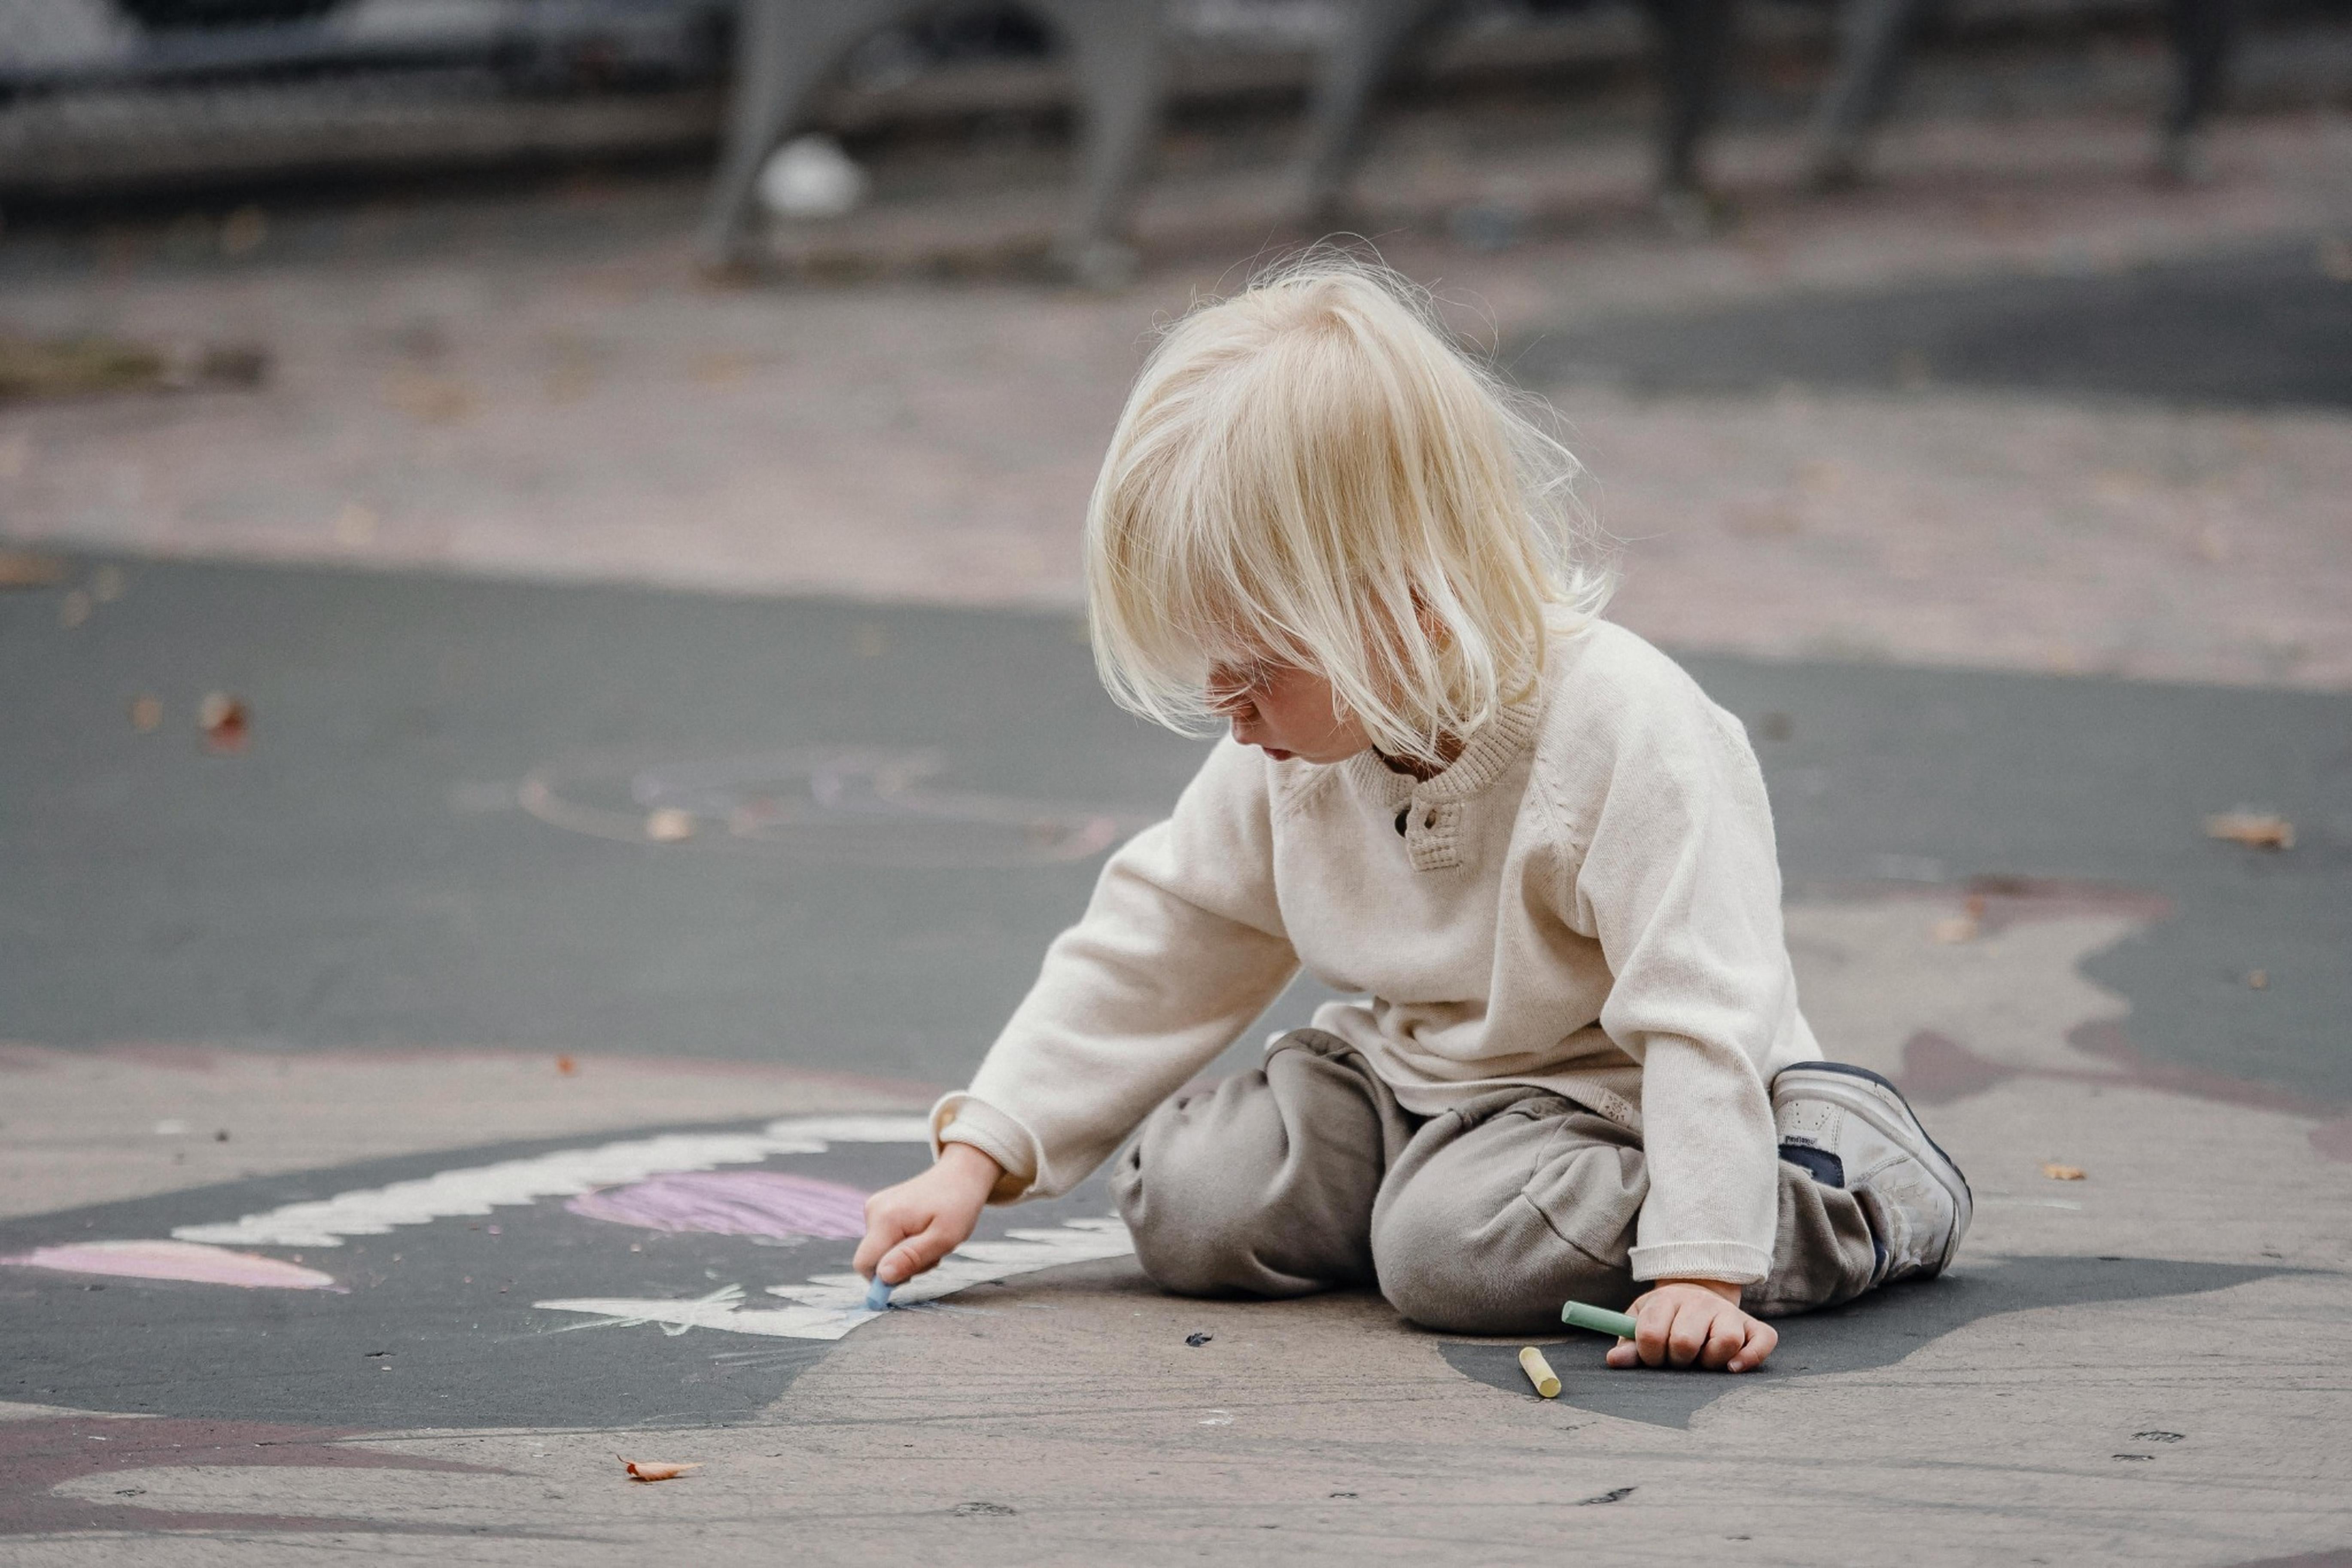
column 957, row 1118
column 1732, row 1262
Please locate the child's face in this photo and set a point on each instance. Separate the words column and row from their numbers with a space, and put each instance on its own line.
column 1285, row 711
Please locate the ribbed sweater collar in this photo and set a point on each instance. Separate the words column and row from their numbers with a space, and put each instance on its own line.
column 1491, row 749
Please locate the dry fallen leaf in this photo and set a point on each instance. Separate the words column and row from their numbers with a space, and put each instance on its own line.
column 24, row 569
column 435, row 399
column 566, row 1066
column 2255, row 829
column 1967, row 925
column 146, row 714
column 669, row 825
column 226, row 724
column 2064, row 1172
column 654, row 1470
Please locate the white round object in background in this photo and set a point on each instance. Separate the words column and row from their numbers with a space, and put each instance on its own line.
column 811, row 177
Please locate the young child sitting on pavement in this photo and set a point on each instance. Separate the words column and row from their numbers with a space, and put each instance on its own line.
column 1577, row 1069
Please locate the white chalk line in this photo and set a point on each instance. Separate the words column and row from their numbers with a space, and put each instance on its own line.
column 825, row 1307
column 566, row 1172
column 830, row 1305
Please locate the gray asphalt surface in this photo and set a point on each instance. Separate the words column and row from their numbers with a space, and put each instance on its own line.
column 433, row 1325
column 361, row 875
column 2265, row 327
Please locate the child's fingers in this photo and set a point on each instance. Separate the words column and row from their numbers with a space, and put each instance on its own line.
column 892, row 1216
column 1713, row 1334
column 1726, row 1338
column 1762, row 1338
column 884, row 1230
column 916, row 1253
column 1693, row 1323
column 1654, row 1318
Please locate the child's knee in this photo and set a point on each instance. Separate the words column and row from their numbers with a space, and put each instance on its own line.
column 1202, row 1193
column 1252, row 1188
column 1478, row 1271
column 1173, row 1189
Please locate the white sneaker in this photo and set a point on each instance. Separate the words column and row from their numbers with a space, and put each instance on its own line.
column 1852, row 1128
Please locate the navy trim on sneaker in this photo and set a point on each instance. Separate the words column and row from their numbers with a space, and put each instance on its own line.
column 1818, row 1163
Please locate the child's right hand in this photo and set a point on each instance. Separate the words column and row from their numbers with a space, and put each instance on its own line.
column 912, row 1226
column 1683, row 1322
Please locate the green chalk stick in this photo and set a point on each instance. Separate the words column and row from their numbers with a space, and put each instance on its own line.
column 1599, row 1320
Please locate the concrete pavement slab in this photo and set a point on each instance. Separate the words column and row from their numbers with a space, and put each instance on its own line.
column 2118, row 1381
column 366, row 873
column 2001, row 894
column 112, row 1123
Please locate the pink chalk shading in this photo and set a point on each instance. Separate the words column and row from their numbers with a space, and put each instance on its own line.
column 185, row 1260
column 1938, row 1070
column 2333, row 1139
column 732, row 1203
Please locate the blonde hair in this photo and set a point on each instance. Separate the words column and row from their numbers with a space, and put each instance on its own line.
column 1313, row 472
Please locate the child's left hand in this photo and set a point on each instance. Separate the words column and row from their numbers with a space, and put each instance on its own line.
column 1683, row 1322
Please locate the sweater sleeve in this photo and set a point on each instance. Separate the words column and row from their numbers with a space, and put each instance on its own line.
column 1680, row 883
column 1182, row 945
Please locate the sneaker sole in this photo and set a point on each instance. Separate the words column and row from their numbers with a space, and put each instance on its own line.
column 1835, row 1083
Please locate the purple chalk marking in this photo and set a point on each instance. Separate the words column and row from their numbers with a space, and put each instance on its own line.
column 732, row 1203
column 182, row 1260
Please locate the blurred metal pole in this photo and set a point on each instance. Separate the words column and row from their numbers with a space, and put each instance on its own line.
column 1874, row 42
column 786, row 49
column 2204, row 33
column 1119, row 55
column 1693, row 42
column 1339, row 115
column 1875, row 39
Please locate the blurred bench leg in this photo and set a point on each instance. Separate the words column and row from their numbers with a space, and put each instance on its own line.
column 1874, row 36
column 1374, row 36
column 783, row 51
column 2202, row 34
column 1694, row 39
column 1117, row 57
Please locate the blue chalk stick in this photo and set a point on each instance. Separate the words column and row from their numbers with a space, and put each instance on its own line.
column 877, row 1295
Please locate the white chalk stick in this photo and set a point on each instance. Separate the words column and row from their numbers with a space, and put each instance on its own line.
column 1539, row 1373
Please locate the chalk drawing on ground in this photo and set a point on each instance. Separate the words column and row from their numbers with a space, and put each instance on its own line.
column 185, row 1261
column 474, row 1192
column 774, row 1205
column 830, row 1305
column 836, row 804
column 412, row 1288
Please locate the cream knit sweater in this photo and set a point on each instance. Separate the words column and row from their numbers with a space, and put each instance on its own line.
column 1587, row 899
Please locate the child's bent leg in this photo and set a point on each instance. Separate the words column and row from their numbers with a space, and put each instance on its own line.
column 1821, row 1251
column 1501, row 1210
column 1264, row 1185
column 1504, row 1208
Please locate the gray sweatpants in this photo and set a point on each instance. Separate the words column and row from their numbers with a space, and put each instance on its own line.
column 1307, row 1175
